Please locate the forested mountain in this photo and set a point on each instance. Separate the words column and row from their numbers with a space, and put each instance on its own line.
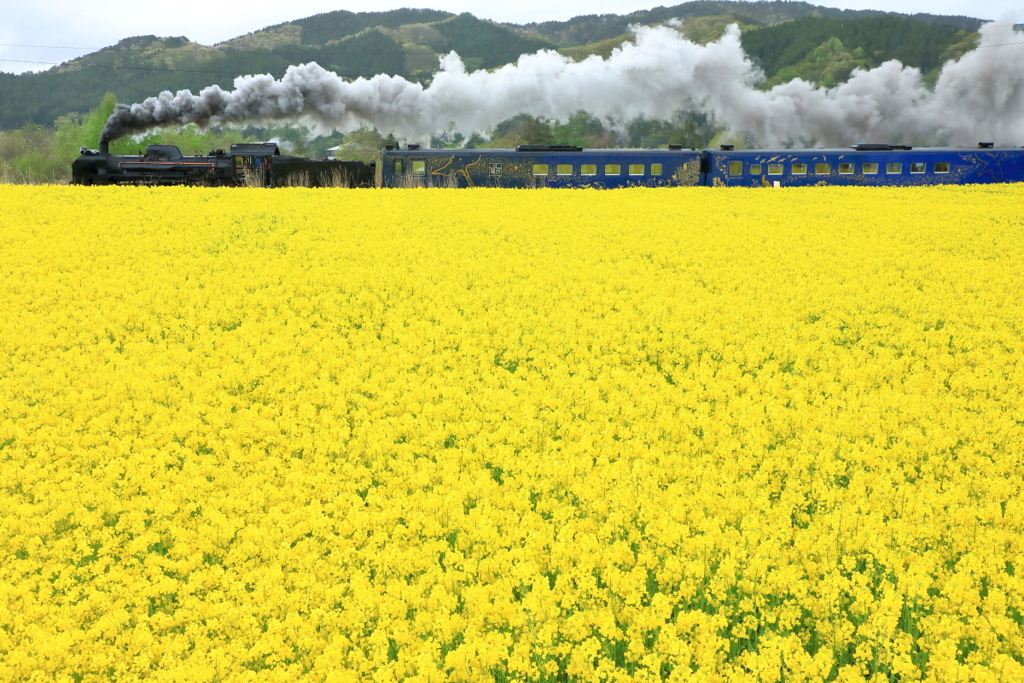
column 827, row 50
column 592, row 28
column 787, row 39
column 405, row 42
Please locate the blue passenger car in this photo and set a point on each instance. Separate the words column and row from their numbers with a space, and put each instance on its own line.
column 864, row 164
column 530, row 166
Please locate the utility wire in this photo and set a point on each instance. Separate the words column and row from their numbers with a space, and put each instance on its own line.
column 331, row 54
column 233, row 74
column 115, row 66
column 66, row 47
column 997, row 45
column 51, row 47
column 267, row 52
column 232, row 51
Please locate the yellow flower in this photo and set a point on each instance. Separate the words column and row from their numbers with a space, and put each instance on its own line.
column 442, row 436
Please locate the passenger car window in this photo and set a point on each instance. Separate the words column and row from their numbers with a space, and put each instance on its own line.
column 774, row 169
column 588, row 169
column 735, row 168
column 822, row 169
column 799, row 169
column 942, row 167
column 399, row 167
column 845, row 169
column 917, row 167
column 419, row 168
column 755, row 169
column 612, row 169
column 636, row 169
column 564, row 169
column 894, row 167
column 540, row 169
column 870, row 169
column 655, row 169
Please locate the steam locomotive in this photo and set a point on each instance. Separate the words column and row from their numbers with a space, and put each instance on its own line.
column 569, row 166
column 255, row 164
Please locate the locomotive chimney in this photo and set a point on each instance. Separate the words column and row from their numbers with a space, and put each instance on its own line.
column 104, row 147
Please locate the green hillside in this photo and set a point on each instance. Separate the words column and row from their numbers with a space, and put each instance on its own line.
column 698, row 29
column 404, row 42
column 787, row 39
column 821, row 50
column 827, row 50
column 592, row 28
column 321, row 29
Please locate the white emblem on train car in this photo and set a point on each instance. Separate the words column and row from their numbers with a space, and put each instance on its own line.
column 495, row 169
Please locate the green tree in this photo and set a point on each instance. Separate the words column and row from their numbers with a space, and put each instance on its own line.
column 94, row 123
column 363, row 145
column 522, row 130
column 582, row 130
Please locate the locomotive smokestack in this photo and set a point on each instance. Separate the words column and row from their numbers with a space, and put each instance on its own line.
column 104, row 147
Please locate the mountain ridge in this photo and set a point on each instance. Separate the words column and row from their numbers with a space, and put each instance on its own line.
column 407, row 42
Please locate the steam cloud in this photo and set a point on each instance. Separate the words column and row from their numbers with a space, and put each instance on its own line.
column 978, row 97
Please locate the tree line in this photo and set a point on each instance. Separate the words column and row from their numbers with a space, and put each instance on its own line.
column 365, row 44
column 43, row 154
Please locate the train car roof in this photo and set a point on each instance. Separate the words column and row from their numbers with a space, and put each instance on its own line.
column 255, row 149
column 515, row 152
column 866, row 150
column 854, row 149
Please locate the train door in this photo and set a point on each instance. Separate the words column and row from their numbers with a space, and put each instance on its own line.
column 251, row 171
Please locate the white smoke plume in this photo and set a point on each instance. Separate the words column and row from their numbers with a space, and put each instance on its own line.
column 978, row 97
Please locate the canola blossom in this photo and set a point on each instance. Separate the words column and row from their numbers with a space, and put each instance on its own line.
column 498, row 435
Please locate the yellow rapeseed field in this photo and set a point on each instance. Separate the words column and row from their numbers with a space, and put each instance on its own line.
column 498, row 435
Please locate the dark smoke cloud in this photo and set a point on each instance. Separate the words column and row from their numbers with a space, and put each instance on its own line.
column 978, row 97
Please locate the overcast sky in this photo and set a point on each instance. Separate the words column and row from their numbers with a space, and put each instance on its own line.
column 60, row 25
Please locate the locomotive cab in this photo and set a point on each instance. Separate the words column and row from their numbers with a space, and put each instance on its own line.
column 252, row 161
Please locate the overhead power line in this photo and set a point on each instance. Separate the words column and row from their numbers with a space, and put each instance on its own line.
column 232, row 51
column 50, row 47
column 68, row 47
column 232, row 73
column 998, row 45
column 113, row 66
column 360, row 53
column 235, row 51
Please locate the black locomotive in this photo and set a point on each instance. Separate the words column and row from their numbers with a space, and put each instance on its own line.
column 258, row 164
